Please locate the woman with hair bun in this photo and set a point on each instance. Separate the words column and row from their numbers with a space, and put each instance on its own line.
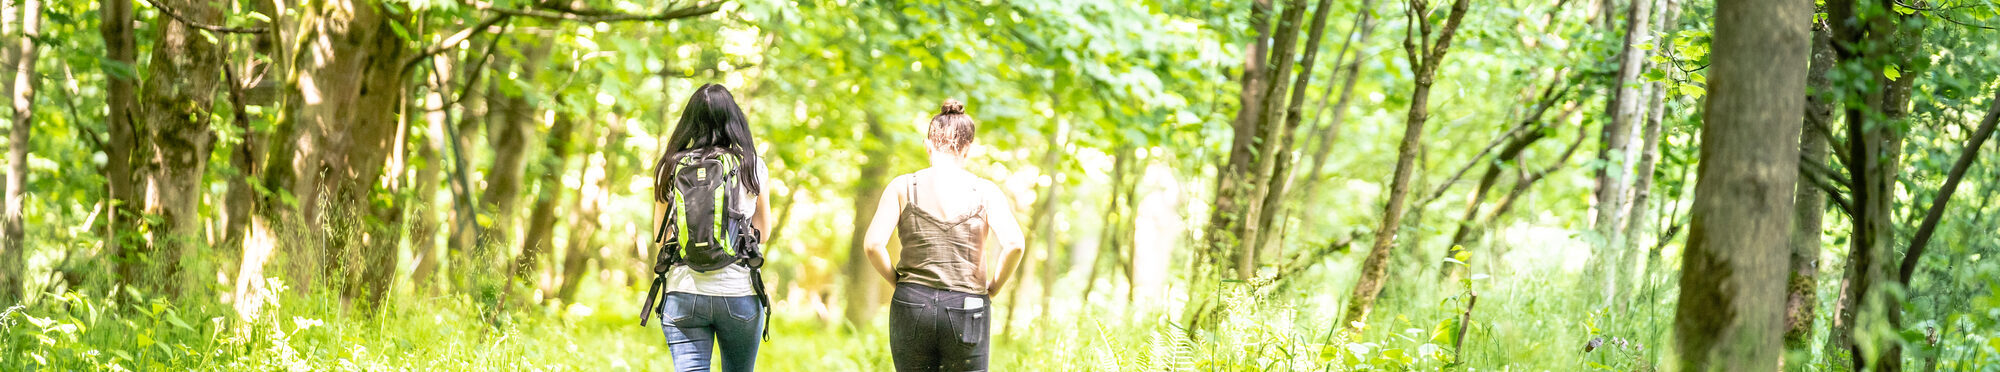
column 945, row 216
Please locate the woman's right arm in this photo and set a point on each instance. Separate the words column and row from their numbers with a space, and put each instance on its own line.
column 659, row 218
column 876, row 241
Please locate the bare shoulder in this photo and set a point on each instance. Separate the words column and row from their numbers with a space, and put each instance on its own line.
column 992, row 190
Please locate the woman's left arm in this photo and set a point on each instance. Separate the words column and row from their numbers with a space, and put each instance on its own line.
column 1008, row 231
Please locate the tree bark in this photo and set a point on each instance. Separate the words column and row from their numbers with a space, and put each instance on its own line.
column 1278, row 174
column 1374, row 270
column 353, row 129
column 1215, row 258
column 121, row 56
column 1809, row 210
column 1638, row 220
column 1875, row 148
column 1270, row 136
column 861, row 283
column 1225, row 220
column 179, row 90
column 21, row 93
column 1732, row 283
column 1611, row 255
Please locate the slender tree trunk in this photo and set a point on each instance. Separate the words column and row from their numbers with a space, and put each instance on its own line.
column 182, row 79
column 1732, row 284
column 1215, row 259
column 1270, row 136
column 1610, row 257
column 1638, row 221
column 1810, row 206
column 424, row 231
column 1364, row 22
column 1279, row 172
column 542, row 220
column 1876, row 150
column 1375, row 269
column 121, row 56
column 22, row 93
column 512, row 118
column 1109, row 238
column 861, row 283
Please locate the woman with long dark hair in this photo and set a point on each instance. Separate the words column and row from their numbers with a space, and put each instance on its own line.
column 945, row 216
column 713, row 307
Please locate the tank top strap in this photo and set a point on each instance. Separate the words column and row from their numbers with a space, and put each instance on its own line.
column 910, row 194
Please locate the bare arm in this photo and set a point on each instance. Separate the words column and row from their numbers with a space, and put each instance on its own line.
column 762, row 218
column 659, row 218
column 1007, row 231
column 876, row 242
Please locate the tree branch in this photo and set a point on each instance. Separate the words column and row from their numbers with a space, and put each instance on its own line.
column 452, row 42
column 595, row 16
column 1818, row 127
column 1936, row 212
column 1549, row 96
column 214, row 28
column 1816, row 175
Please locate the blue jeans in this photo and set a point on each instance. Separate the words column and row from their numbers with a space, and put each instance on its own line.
column 934, row 330
column 695, row 325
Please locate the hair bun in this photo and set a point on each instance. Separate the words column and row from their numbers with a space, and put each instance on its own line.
column 952, row 106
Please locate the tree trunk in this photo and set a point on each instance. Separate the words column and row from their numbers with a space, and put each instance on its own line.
column 424, row 231
column 1810, row 205
column 590, row 202
column 861, row 283
column 1214, row 259
column 1375, row 269
column 1637, row 221
column 1278, row 173
column 22, row 94
column 1111, row 236
column 1610, row 257
column 1875, row 148
column 121, row 56
column 1732, row 283
column 355, row 127
column 1330, row 132
column 512, row 118
column 542, row 220
column 1270, row 136
column 181, row 82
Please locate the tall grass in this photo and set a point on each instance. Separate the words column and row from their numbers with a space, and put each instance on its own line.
column 1522, row 321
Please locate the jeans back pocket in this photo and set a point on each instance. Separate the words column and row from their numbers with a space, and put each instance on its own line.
column 971, row 324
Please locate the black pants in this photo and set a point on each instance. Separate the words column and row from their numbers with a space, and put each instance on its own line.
column 938, row 330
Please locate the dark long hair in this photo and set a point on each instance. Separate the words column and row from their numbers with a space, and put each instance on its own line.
column 710, row 120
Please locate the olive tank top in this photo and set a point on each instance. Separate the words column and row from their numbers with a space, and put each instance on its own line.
column 938, row 252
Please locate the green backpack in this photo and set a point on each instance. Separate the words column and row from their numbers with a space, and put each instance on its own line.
column 708, row 234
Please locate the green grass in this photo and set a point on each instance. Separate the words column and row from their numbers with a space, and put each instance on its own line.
column 1522, row 321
